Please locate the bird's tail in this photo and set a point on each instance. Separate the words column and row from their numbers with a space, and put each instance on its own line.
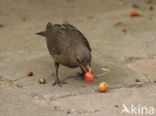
column 41, row 33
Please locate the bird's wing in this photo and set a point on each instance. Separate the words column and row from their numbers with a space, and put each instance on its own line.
column 52, row 41
column 84, row 40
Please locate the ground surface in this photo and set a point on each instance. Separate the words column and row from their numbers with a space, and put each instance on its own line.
column 132, row 55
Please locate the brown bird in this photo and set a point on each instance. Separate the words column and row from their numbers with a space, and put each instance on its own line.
column 68, row 47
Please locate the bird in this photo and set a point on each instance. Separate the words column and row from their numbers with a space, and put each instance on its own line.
column 68, row 47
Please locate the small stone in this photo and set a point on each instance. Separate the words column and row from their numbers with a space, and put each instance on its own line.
column 138, row 86
column 137, row 80
column 116, row 106
column 135, row 6
column 151, row 8
column 118, row 24
column 19, row 85
column 42, row 81
column 97, row 111
column 1, row 25
column 24, row 19
column 55, row 107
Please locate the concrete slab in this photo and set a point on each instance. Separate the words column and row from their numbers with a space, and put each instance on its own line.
column 146, row 67
column 102, row 23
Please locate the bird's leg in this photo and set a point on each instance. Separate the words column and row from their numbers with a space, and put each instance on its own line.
column 81, row 74
column 57, row 78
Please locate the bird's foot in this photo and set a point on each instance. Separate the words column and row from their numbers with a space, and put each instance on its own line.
column 59, row 82
column 81, row 75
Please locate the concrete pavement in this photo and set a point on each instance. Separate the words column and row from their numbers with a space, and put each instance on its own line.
column 131, row 55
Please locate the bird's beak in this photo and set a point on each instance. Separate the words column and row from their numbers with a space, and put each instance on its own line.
column 86, row 68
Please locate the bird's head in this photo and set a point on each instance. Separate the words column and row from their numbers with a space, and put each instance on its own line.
column 84, row 58
column 85, row 64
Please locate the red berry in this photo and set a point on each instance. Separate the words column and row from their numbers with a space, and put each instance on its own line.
column 124, row 30
column 30, row 73
column 133, row 13
column 89, row 76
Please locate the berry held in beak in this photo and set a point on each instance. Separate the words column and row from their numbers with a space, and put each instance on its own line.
column 89, row 75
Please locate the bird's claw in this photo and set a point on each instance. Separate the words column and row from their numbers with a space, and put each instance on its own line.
column 59, row 82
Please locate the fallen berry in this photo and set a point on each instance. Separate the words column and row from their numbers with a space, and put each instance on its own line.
column 103, row 86
column 124, row 30
column 30, row 73
column 42, row 81
column 135, row 13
